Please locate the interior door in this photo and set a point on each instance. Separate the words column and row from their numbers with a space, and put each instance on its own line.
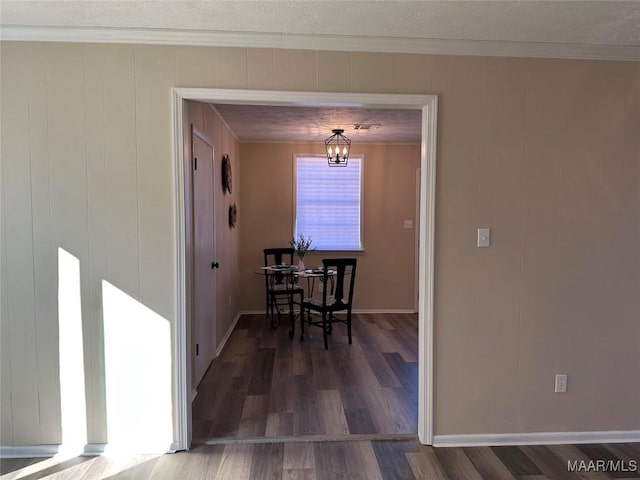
column 204, row 262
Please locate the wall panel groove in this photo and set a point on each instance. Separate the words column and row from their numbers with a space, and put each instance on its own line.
column 545, row 152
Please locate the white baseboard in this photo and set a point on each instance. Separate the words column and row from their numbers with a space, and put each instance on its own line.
column 38, row 451
column 94, row 449
column 228, row 334
column 174, row 448
column 363, row 310
column 29, row 451
column 41, row 451
column 541, row 438
column 383, row 310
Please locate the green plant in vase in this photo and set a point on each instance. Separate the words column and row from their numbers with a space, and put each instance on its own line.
column 302, row 246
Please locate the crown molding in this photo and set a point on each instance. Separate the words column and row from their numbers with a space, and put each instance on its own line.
column 317, row 42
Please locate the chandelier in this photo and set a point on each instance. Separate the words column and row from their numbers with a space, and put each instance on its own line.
column 337, row 146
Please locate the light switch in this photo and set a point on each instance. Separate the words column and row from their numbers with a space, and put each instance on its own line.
column 408, row 224
column 484, row 237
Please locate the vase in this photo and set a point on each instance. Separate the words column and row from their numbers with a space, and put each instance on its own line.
column 300, row 264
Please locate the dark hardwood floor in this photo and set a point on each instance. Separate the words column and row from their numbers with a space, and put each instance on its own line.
column 267, row 385
column 357, row 460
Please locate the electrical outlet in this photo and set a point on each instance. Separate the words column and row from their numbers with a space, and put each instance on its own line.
column 561, row 384
column 484, row 237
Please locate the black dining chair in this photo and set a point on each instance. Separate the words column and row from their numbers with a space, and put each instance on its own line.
column 337, row 296
column 279, row 288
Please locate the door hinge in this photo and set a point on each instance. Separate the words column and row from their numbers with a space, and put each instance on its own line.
column 197, row 349
column 215, row 265
column 195, row 163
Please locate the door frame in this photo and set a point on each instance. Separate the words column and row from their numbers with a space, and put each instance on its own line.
column 428, row 104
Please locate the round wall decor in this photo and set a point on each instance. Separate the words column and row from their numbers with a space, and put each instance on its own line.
column 233, row 215
column 226, row 173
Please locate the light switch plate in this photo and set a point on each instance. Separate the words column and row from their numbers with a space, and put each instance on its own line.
column 484, row 237
column 561, row 384
column 408, row 224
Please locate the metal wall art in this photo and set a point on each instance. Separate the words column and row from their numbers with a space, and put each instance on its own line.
column 226, row 173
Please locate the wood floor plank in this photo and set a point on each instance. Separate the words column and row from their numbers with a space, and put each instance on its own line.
column 382, row 371
column 236, row 462
column 456, row 464
column 299, row 456
column 571, row 453
column 600, row 452
column 407, row 373
column 167, row 467
column 294, row 377
column 302, row 364
column 359, row 421
column 42, row 467
column 366, row 461
column 487, row 463
column 198, row 463
column 298, row 474
column 227, row 410
column 267, row 461
column 548, row 463
column 331, row 412
column 262, row 372
column 306, row 420
column 624, row 451
column 516, row 461
column 323, row 362
column 345, row 461
column 279, row 425
column 425, row 465
column 253, row 421
column 316, row 460
column 391, row 459
column 143, row 468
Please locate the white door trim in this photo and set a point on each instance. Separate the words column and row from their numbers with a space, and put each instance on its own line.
column 429, row 106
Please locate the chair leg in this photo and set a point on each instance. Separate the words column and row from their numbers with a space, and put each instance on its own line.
column 292, row 317
column 267, row 304
column 324, row 330
column 349, row 325
column 301, row 323
column 273, row 308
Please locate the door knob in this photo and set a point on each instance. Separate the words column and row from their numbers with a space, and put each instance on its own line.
column 215, row 265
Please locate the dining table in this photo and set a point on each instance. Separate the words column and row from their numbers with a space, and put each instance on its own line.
column 292, row 277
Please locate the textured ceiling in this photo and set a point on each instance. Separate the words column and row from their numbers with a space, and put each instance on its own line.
column 304, row 124
column 566, row 22
column 582, row 23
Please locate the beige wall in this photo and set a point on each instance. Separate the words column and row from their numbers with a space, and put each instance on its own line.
column 546, row 152
column 386, row 269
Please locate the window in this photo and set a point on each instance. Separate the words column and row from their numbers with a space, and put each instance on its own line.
column 328, row 203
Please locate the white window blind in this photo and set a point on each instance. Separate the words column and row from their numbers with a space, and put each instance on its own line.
column 328, row 203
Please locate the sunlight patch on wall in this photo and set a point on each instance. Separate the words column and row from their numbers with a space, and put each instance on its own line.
column 73, row 403
column 137, row 374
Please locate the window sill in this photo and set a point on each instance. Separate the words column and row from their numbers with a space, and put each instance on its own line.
column 338, row 252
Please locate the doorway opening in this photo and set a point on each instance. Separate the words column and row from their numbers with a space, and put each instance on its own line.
column 428, row 106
